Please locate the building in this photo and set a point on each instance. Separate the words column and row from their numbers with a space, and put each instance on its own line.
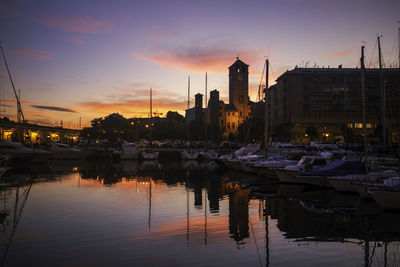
column 226, row 117
column 326, row 104
column 33, row 134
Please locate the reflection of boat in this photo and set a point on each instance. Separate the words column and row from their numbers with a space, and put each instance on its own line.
column 190, row 164
column 20, row 153
column 129, row 168
column 149, row 155
column 189, row 154
column 149, row 165
column 209, row 155
column 129, row 151
column 65, row 151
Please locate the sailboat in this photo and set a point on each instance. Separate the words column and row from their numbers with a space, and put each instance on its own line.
column 189, row 154
column 207, row 154
column 149, row 154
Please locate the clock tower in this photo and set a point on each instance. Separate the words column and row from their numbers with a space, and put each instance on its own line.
column 239, row 88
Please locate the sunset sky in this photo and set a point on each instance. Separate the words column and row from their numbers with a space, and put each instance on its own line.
column 88, row 59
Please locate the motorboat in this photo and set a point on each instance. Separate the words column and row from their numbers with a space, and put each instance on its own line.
column 268, row 166
column 288, row 174
column 19, row 153
column 65, row 151
column 129, row 151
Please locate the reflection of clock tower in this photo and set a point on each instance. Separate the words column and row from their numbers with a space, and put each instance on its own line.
column 239, row 88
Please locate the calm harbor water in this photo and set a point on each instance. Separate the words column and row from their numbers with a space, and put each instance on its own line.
column 182, row 214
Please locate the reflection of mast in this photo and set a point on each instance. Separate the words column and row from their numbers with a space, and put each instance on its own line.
column 205, row 217
column 18, row 209
column 366, row 253
column 150, row 207
column 187, row 216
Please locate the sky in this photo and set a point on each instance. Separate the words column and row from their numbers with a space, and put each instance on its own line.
column 90, row 58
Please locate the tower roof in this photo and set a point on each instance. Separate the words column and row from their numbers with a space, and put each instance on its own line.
column 238, row 62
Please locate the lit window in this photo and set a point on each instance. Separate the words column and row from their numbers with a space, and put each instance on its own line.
column 358, row 125
column 349, row 125
column 369, row 125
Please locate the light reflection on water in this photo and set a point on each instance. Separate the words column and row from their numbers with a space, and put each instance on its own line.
column 165, row 214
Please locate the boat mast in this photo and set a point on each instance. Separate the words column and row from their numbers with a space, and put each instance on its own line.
column 266, row 105
column 151, row 112
column 205, row 120
column 399, row 43
column 383, row 94
column 364, row 113
column 188, row 106
column 20, row 114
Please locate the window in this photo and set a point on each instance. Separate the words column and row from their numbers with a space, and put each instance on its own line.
column 229, row 113
column 220, row 114
column 228, row 125
column 238, row 70
column 358, row 125
column 233, row 125
column 240, row 114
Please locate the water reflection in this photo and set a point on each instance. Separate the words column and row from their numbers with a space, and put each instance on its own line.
column 174, row 213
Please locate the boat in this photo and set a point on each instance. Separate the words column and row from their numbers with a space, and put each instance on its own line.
column 18, row 153
column 345, row 183
column 288, row 174
column 210, row 154
column 387, row 198
column 129, row 151
column 149, row 154
column 65, row 151
column 268, row 166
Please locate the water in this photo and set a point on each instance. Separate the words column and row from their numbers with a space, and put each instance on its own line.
column 170, row 214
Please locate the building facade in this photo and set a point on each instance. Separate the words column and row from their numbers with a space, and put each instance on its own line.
column 326, row 104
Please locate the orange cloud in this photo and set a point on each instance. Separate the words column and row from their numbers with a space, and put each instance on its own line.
column 40, row 55
column 80, row 25
column 196, row 59
column 341, row 53
column 137, row 107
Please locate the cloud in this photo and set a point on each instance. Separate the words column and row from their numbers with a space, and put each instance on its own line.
column 341, row 53
column 40, row 55
column 196, row 58
column 162, row 34
column 78, row 25
column 134, row 107
column 53, row 108
column 78, row 40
